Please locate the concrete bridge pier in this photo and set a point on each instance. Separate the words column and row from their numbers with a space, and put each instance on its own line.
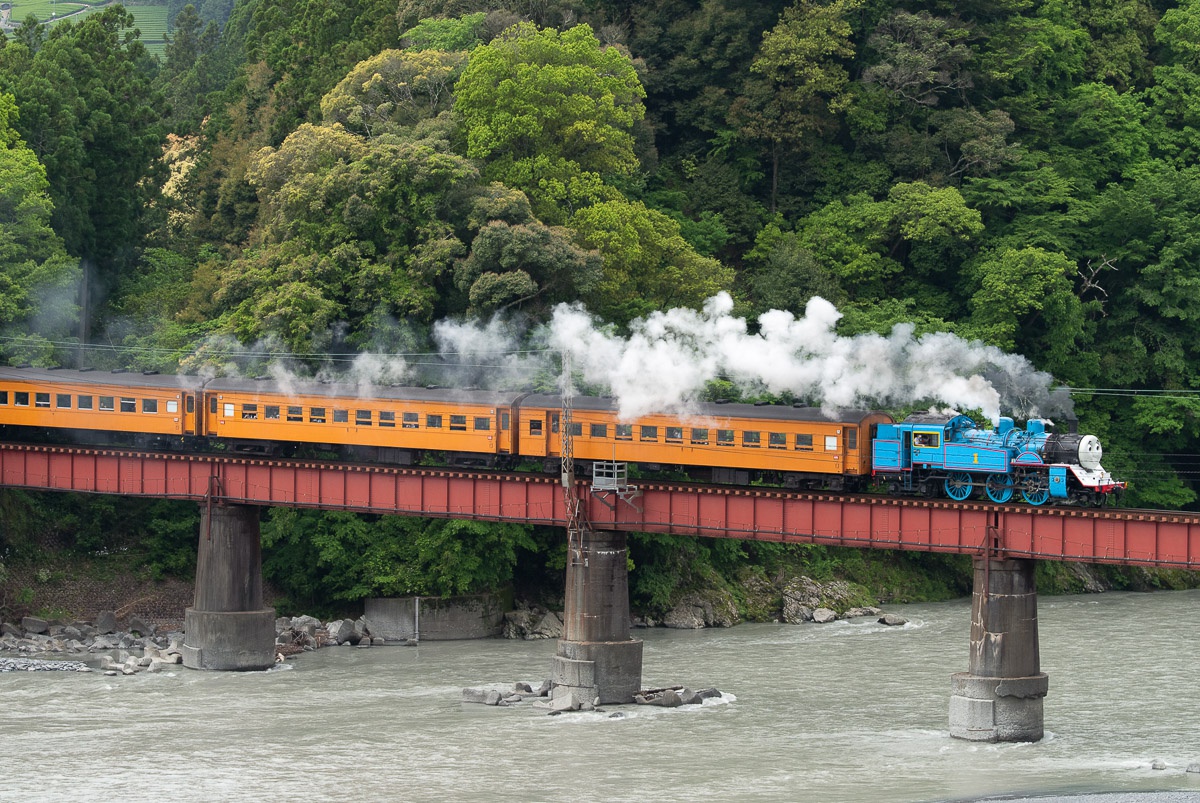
column 227, row 627
column 1000, row 698
column 596, row 658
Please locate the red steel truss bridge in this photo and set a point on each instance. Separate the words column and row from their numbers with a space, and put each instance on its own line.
column 1093, row 535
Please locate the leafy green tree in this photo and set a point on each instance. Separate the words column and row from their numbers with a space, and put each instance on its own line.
column 647, row 263
column 90, row 115
column 35, row 271
column 802, row 62
column 551, row 114
column 530, row 265
column 319, row 558
column 462, row 33
column 392, row 90
column 1026, row 302
column 350, row 229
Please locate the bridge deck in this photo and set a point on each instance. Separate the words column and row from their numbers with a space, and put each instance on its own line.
column 1130, row 537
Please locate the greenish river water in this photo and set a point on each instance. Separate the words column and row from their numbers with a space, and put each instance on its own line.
column 849, row 711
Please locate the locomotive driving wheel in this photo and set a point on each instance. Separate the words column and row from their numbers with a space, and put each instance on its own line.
column 1035, row 487
column 958, row 485
column 999, row 487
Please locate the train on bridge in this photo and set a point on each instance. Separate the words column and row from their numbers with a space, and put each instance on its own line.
column 794, row 447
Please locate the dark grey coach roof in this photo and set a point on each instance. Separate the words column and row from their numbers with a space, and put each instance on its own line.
column 773, row 412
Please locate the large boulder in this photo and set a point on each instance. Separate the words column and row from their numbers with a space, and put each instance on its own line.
column 802, row 596
column 106, row 622
column 710, row 608
column 34, row 624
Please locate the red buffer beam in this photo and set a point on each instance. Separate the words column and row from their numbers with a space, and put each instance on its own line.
column 1149, row 538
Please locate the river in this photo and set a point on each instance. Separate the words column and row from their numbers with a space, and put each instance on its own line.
column 848, row 711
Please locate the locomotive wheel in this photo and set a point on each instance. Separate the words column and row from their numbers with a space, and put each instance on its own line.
column 999, row 487
column 958, row 485
column 1035, row 489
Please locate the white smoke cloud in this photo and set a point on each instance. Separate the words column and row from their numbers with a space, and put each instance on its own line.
column 668, row 358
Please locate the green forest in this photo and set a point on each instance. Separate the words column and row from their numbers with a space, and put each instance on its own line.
column 325, row 178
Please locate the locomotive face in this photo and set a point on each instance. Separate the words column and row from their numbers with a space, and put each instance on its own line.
column 1090, row 452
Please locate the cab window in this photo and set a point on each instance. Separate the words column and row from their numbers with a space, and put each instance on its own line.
column 927, row 440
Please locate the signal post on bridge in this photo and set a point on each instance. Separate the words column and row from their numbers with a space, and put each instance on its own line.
column 999, row 698
column 227, row 627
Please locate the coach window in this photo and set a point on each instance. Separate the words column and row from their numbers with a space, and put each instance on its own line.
column 129, row 405
column 576, row 429
column 3, row 397
column 362, row 418
column 777, row 440
column 433, row 421
column 173, row 407
column 21, row 398
column 227, row 410
column 316, row 415
column 295, row 413
column 149, row 405
column 598, row 430
column 851, row 437
column 62, row 401
column 535, row 426
column 270, row 412
column 831, row 443
column 674, row 434
column 699, row 436
column 458, row 423
column 804, row 443
column 482, row 423
column 341, row 416
column 41, row 400
column 751, row 440
column 724, row 437
column 624, row 432
column 649, row 433
column 250, row 412
column 387, row 418
column 411, row 420
column 107, row 403
column 83, row 402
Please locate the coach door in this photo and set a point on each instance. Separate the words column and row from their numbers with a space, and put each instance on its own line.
column 190, row 415
column 504, row 440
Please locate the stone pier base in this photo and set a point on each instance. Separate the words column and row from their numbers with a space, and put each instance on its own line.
column 997, row 709
column 229, row 640
column 596, row 659
column 228, row 628
column 589, row 672
column 999, row 699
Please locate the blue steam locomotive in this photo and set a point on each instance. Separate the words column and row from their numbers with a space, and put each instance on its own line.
column 928, row 453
